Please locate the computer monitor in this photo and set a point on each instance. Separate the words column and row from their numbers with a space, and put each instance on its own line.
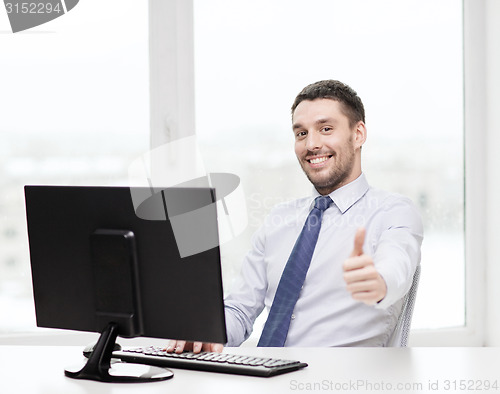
column 98, row 266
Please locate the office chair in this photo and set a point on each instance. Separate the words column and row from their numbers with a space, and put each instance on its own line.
column 399, row 337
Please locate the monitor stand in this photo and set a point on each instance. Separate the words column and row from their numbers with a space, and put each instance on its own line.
column 102, row 368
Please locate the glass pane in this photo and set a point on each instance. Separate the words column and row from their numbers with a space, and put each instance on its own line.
column 75, row 110
column 404, row 58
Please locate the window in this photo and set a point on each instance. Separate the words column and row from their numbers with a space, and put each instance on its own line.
column 75, row 110
column 75, row 94
column 404, row 58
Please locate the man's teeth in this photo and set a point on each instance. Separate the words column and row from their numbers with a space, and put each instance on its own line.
column 318, row 160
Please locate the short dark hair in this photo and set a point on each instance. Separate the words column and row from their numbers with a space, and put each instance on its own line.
column 335, row 90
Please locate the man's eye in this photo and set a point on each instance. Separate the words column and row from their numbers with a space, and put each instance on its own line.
column 326, row 129
column 301, row 134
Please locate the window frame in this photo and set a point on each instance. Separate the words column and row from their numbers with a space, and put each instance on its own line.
column 474, row 84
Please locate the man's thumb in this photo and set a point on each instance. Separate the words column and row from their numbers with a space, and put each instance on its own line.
column 359, row 240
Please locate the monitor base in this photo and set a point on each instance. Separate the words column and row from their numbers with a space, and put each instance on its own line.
column 102, row 368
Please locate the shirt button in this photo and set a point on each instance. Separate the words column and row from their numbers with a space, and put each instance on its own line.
column 293, row 317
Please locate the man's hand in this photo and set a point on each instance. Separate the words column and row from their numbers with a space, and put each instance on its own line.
column 363, row 281
column 195, row 347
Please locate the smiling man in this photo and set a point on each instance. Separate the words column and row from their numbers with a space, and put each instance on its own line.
column 332, row 269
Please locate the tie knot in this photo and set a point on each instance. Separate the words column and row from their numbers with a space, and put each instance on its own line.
column 322, row 202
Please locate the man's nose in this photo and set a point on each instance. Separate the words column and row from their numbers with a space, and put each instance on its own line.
column 313, row 141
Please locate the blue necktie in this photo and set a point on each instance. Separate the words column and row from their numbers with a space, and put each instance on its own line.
column 276, row 328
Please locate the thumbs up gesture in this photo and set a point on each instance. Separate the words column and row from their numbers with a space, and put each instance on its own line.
column 363, row 281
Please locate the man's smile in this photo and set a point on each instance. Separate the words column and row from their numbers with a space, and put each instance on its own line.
column 318, row 161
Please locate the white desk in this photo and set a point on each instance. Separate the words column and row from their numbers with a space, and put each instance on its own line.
column 39, row 369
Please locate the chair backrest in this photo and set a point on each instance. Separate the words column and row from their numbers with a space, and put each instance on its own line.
column 399, row 337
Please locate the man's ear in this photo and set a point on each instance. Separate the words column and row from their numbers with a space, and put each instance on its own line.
column 359, row 134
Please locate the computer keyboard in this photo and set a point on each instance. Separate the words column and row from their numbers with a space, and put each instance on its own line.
column 208, row 361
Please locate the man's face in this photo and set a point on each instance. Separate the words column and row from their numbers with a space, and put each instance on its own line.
column 326, row 146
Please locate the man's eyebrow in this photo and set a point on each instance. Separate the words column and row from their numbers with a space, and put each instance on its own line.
column 325, row 120
column 317, row 122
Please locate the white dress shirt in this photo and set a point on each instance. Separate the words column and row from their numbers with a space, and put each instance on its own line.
column 325, row 313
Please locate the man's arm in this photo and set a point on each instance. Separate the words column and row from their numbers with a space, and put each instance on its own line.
column 246, row 300
column 383, row 278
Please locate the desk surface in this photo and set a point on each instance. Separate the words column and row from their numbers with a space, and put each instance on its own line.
column 39, row 369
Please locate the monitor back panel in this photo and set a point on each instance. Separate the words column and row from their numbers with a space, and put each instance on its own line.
column 180, row 298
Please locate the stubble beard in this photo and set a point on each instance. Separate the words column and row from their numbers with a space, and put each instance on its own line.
column 336, row 176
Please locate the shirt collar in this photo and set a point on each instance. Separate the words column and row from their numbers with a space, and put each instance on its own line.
column 348, row 195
